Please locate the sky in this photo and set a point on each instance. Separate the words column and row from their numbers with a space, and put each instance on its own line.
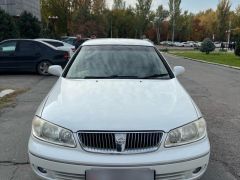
column 190, row 5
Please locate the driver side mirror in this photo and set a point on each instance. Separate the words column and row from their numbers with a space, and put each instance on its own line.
column 55, row 70
column 178, row 70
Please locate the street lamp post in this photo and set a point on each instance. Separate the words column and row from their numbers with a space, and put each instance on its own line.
column 158, row 32
column 111, row 25
column 158, row 20
column 229, row 33
column 173, row 28
column 53, row 19
column 156, row 24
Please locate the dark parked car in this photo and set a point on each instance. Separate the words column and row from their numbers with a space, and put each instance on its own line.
column 30, row 55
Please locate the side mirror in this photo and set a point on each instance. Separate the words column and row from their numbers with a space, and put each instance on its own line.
column 55, row 70
column 178, row 70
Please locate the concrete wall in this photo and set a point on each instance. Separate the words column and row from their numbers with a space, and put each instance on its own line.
column 16, row 7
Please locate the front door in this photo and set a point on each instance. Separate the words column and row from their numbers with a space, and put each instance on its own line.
column 7, row 55
column 27, row 55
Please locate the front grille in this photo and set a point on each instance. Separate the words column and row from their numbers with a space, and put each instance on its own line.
column 120, row 142
column 170, row 176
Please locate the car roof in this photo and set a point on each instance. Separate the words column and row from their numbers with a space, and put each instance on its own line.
column 117, row 41
column 33, row 40
column 17, row 40
column 54, row 40
column 45, row 39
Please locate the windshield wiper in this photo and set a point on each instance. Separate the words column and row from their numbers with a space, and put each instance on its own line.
column 155, row 76
column 111, row 77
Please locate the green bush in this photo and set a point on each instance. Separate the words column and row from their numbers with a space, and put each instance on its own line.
column 29, row 26
column 207, row 46
column 8, row 27
column 237, row 48
column 164, row 50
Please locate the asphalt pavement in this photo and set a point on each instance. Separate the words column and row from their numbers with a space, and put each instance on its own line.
column 215, row 89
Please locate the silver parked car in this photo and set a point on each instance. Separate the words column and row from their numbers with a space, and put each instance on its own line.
column 60, row 45
column 117, row 112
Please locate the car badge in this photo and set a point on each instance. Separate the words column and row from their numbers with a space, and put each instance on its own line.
column 120, row 140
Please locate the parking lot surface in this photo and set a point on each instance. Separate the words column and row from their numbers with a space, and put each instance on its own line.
column 215, row 89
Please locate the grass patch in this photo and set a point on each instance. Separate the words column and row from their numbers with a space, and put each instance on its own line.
column 9, row 99
column 215, row 57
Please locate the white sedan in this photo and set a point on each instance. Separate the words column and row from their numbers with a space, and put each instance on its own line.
column 118, row 112
column 60, row 45
column 187, row 44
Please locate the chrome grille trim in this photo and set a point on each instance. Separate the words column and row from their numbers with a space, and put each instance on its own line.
column 105, row 142
column 69, row 176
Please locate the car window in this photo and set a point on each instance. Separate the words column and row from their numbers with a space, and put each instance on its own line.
column 55, row 44
column 106, row 61
column 9, row 46
column 71, row 41
column 26, row 46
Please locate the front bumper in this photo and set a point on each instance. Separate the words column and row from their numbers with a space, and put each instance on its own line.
column 56, row 162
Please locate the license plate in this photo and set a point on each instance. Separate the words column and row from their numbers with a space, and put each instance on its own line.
column 120, row 174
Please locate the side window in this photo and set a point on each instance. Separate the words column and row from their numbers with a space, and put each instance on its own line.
column 55, row 44
column 9, row 46
column 28, row 47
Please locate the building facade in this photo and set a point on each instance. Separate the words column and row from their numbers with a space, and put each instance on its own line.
column 16, row 7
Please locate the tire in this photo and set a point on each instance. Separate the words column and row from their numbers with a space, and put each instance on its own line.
column 42, row 67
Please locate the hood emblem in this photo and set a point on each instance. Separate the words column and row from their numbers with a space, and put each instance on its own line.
column 120, row 140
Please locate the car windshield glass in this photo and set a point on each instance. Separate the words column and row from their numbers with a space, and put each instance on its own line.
column 123, row 62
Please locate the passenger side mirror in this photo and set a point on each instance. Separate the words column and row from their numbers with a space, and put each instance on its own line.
column 178, row 70
column 55, row 70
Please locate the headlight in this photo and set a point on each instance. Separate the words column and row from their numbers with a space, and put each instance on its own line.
column 187, row 134
column 51, row 133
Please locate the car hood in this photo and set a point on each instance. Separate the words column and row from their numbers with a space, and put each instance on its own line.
column 118, row 105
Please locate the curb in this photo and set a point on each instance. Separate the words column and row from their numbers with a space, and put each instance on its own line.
column 206, row 62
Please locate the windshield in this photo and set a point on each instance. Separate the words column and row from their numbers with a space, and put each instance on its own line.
column 117, row 62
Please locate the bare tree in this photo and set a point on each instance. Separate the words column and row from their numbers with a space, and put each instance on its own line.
column 98, row 6
column 119, row 4
column 223, row 14
column 142, row 12
column 161, row 14
column 175, row 12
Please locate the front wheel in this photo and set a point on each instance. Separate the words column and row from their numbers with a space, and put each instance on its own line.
column 42, row 68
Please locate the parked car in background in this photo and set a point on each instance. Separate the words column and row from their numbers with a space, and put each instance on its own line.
column 62, row 38
column 146, row 39
column 191, row 43
column 166, row 43
column 198, row 44
column 178, row 44
column 60, row 45
column 118, row 108
column 217, row 44
column 72, row 40
column 187, row 44
column 30, row 55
